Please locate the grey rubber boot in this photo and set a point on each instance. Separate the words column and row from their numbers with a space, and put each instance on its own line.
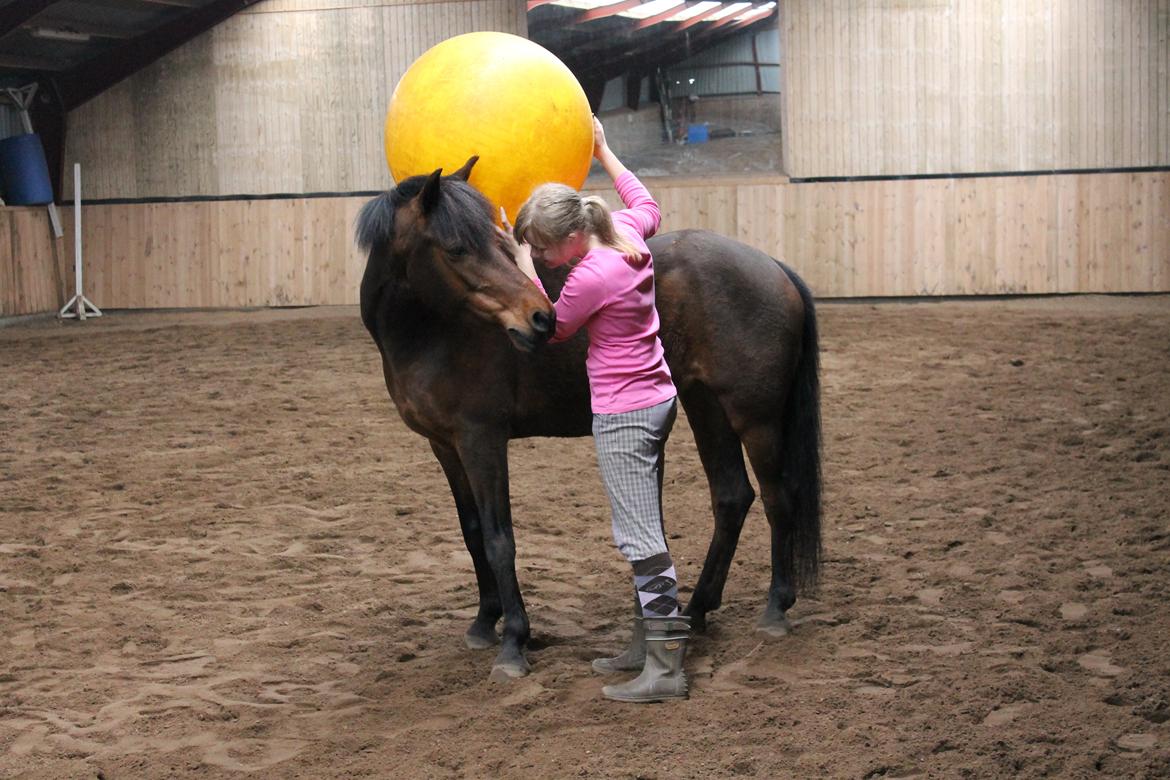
column 662, row 676
column 630, row 660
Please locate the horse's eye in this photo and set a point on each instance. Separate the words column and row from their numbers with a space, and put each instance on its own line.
column 457, row 252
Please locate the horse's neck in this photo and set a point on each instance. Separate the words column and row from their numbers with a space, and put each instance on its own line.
column 410, row 324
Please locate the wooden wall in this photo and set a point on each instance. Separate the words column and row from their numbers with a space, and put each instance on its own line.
column 32, row 263
column 1036, row 234
column 281, row 99
column 287, row 97
column 899, row 87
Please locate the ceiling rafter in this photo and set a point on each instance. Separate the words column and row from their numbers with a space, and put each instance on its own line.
column 732, row 18
column 752, row 17
column 18, row 12
column 688, row 23
column 606, row 11
column 607, row 63
column 561, row 28
column 87, row 28
column 17, row 62
column 650, row 21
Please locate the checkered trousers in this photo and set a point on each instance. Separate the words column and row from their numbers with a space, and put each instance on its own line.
column 630, row 455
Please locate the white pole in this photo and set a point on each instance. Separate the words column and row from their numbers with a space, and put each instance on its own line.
column 82, row 303
column 77, row 239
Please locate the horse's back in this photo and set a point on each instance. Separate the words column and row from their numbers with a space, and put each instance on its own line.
column 732, row 318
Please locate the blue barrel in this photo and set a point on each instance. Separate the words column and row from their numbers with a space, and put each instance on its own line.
column 24, row 173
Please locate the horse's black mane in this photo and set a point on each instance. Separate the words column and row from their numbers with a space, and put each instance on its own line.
column 462, row 218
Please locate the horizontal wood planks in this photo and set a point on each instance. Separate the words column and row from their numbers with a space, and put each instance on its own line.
column 1069, row 233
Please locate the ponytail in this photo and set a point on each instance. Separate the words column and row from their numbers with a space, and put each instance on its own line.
column 553, row 211
column 599, row 221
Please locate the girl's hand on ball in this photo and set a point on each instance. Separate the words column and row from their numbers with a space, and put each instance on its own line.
column 604, row 155
column 598, row 138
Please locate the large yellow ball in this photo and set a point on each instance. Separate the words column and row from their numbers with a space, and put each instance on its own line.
column 499, row 96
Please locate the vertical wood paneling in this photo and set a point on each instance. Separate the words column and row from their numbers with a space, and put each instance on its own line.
column 260, row 79
column 174, row 137
column 32, row 274
column 289, row 97
column 959, row 86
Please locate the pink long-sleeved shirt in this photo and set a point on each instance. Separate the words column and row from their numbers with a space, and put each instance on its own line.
column 614, row 301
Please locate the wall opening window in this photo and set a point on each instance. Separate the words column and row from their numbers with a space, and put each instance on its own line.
column 687, row 89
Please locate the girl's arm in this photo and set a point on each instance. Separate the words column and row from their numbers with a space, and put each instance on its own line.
column 641, row 209
column 583, row 294
column 609, row 161
column 521, row 253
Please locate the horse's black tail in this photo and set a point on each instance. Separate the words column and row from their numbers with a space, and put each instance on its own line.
column 375, row 223
column 801, row 457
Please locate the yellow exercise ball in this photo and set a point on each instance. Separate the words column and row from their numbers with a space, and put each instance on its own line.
column 499, row 96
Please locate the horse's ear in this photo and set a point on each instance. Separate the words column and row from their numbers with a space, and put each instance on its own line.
column 429, row 197
column 464, row 173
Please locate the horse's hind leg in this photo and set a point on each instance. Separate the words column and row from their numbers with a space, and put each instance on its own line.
column 482, row 633
column 763, row 447
column 731, row 496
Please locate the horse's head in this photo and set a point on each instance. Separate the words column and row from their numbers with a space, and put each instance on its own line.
column 439, row 234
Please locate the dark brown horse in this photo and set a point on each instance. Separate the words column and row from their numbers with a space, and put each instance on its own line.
column 461, row 332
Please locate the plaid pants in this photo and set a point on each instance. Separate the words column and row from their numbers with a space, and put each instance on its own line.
column 630, row 455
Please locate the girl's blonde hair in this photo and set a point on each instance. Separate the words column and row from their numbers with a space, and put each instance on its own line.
column 553, row 211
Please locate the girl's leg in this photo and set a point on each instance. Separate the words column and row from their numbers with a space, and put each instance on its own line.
column 657, row 585
column 630, row 453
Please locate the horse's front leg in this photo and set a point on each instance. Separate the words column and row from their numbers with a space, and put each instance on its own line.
column 482, row 633
column 485, row 461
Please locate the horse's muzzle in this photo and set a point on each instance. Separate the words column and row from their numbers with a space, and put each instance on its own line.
column 542, row 326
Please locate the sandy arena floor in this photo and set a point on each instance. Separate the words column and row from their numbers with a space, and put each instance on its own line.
column 221, row 553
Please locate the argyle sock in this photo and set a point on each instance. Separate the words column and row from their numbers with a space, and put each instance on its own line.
column 657, row 586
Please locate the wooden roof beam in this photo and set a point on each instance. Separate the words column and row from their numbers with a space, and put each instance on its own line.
column 86, row 28
column 616, row 60
column 686, row 23
column 733, row 17
column 18, row 12
column 674, row 10
column 606, row 10
column 753, row 17
column 30, row 63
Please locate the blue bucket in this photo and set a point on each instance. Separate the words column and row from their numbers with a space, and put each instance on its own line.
column 697, row 134
column 24, row 173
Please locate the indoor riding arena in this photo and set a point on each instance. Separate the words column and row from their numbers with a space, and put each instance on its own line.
column 224, row 554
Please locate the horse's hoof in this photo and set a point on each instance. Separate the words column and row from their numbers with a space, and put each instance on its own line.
column 476, row 640
column 774, row 626
column 502, row 673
